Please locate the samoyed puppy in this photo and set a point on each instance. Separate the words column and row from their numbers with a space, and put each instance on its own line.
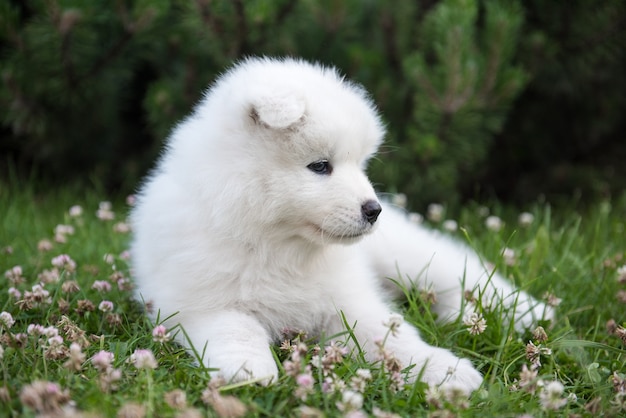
column 259, row 217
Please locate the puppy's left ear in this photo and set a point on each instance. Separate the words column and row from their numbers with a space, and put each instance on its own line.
column 278, row 111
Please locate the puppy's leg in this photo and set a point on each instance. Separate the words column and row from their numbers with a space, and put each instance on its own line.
column 236, row 344
column 434, row 366
column 410, row 253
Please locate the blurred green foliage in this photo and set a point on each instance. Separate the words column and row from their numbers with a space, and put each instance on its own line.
column 462, row 79
column 483, row 97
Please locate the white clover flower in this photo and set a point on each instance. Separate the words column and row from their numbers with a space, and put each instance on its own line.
column 44, row 245
column 123, row 284
column 49, row 276
column 527, row 379
column 534, row 353
column 61, row 232
column 101, row 286
column 435, row 212
column 76, row 350
column 494, row 223
column 40, row 295
column 104, row 212
column 6, row 320
column 55, row 348
column 360, row 379
column 393, row 323
column 121, row 228
column 64, row 230
column 316, row 361
column 14, row 293
column 50, row 331
column 364, row 374
column 525, row 219
column 76, row 211
column 434, row 396
column 143, row 359
column 14, row 275
column 105, row 306
column 333, row 354
column 333, row 384
column 450, row 225
column 160, row 334
column 540, row 334
column 102, row 360
column 305, row 380
column 476, row 323
column 176, row 399
column 108, row 379
column 551, row 397
column 350, row 401
column 35, row 329
column 64, row 261
column 46, row 398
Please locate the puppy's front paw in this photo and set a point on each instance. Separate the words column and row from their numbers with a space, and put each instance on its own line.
column 240, row 368
column 442, row 367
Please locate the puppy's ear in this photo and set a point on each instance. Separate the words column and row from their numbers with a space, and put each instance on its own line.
column 278, row 111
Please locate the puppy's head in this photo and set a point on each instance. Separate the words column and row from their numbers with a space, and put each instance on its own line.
column 296, row 138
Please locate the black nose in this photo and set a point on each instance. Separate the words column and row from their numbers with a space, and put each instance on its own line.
column 370, row 210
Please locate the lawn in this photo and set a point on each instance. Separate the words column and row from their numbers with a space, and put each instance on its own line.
column 73, row 342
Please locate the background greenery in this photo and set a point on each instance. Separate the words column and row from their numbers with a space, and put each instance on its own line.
column 482, row 98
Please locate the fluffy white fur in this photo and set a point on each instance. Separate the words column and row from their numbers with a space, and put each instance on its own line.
column 239, row 236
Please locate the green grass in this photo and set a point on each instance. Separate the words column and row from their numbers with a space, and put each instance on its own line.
column 571, row 254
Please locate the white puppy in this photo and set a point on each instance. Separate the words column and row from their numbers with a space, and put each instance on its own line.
column 259, row 218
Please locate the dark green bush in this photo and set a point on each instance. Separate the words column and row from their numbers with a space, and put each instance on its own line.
column 566, row 133
column 479, row 96
column 463, row 79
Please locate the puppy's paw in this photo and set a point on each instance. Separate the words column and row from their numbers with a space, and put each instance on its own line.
column 444, row 368
column 233, row 368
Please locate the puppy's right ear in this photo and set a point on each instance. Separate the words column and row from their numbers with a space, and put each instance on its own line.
column 278, row 111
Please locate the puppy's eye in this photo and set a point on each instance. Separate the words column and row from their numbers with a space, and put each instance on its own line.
column 320, row 167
